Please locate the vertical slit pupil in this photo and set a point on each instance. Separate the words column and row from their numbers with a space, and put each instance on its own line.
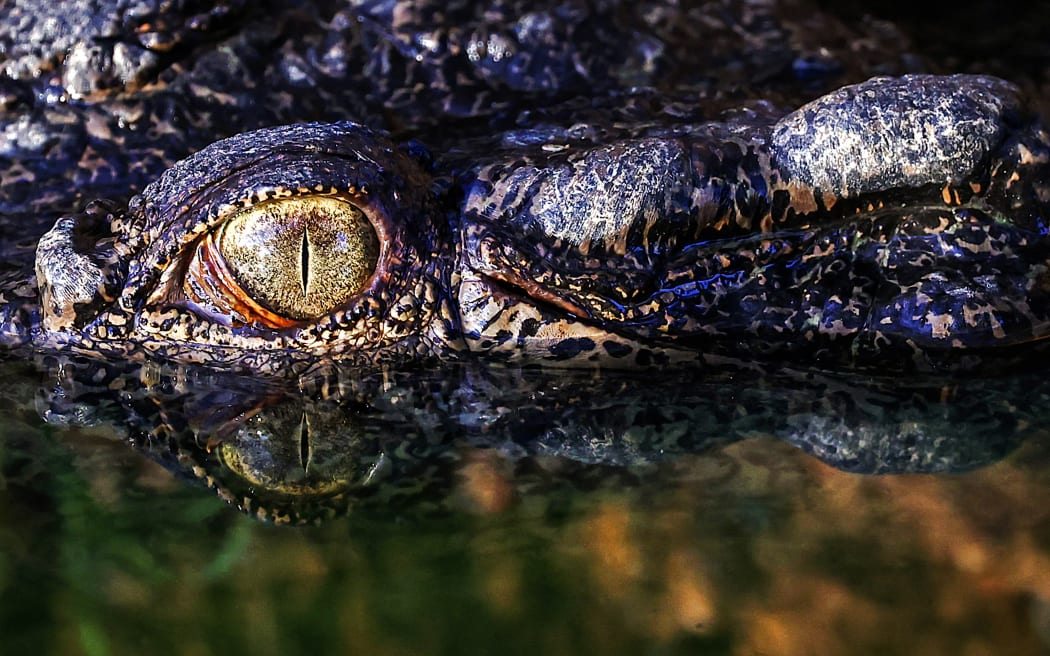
column 272, row 249
column 305, row 255
column 304, row 444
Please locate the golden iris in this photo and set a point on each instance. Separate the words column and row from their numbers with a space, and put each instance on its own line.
column 297, row 258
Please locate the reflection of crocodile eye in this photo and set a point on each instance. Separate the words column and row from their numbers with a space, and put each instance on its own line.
column 285, row 261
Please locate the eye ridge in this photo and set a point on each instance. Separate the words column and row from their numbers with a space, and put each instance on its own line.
column 282, row 263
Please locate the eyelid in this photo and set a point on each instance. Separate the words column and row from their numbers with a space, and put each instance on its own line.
column 169, row 239
column 212, row 211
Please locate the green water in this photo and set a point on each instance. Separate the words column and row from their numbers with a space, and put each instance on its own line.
column 750, row 546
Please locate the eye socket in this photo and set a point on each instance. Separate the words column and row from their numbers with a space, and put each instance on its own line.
column 283, row 262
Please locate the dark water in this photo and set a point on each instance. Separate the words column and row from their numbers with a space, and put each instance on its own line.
column 695, row 525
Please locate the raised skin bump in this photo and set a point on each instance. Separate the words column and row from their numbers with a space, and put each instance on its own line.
column 887, row 133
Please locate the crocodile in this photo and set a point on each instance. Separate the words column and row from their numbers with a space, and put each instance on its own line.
column 887, row 223
column 231, row 221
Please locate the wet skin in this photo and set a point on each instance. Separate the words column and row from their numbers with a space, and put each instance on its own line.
column 332, row 198
column 897, row 223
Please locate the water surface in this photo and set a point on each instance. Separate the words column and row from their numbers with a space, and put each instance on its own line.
column 495, row 542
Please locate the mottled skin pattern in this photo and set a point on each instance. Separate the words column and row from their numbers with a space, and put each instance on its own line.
column 657, row 263
column 629, row 185
column 732, row 233
column 888, row 224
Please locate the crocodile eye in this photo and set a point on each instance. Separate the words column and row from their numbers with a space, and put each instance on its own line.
column 283, row 262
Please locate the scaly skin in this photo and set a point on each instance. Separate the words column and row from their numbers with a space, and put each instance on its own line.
column 892, row 223
column 627, row 184
column 118, row 92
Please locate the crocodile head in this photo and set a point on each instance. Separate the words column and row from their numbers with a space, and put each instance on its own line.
column 893, row 222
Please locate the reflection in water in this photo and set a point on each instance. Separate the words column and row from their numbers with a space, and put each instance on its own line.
column 311, row 449
column 469, row 511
